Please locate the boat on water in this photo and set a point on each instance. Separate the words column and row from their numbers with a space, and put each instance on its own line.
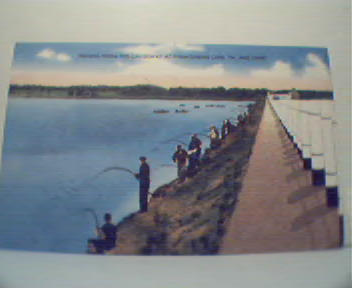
column 196, row 106
column 217, row 105
column 182, row 105
column 181, row 111
column 161, row 111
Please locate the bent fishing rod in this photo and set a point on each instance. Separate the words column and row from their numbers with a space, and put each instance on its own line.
column 175, row 141
column 94, row 214
column 119, row 169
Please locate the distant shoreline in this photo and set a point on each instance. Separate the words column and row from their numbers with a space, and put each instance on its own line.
column 143, row 92
column 136, row 98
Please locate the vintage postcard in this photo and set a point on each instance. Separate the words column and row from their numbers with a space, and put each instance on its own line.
column 169, row 149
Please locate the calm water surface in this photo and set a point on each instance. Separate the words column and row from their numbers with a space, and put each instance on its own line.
column 54, row 149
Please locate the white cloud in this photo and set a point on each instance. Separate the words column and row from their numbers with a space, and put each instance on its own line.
column 165, row 72
column 163, row 67
column 318, row 68
column 146, row 49
column 187, row 47
column 314, row 76
column 160, row 49
column 47, row 53
column 279, row 70
column 51, row 54
column 63, row 57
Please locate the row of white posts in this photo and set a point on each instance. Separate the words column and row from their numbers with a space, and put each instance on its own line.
column 311, row 125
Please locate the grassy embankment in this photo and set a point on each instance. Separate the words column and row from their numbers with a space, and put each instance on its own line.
column 190, row 218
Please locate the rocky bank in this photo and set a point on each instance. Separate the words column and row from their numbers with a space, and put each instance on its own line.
column 190, row 218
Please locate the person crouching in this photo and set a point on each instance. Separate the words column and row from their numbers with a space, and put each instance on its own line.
column 106, row 237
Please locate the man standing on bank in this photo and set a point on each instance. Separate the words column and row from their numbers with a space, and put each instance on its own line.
column 180, row 157
column 144, row 181
column 194, row 151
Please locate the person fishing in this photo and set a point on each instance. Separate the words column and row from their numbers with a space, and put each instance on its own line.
column 144, row 182
column 107, row 235
column 180, row 158
column 230, row 127
column 194, row 151
column 214, row 138
column 241, row 119
column 224, row 130
column 240, row 124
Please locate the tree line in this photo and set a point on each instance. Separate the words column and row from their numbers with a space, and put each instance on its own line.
column 145, row 91
column 152, row 91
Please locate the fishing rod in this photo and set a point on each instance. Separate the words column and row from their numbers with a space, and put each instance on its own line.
column 174, row 140
column 92, row 212
column 168, row 165
column 91, row 179
column 117, row 168
column 202, row 134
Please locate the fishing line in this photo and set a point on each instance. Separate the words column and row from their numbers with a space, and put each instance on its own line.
column 116, row 168
column 94, row 214
column 204, row 135
column 94, row 177
column 175, row 141
column 168, row 165
column 176, row 138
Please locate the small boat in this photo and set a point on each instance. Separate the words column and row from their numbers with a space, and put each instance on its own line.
column 209, row 105
column 161, row 111
column 196, row 106
column 220, row 106
column 182, row 105
column 181, row 111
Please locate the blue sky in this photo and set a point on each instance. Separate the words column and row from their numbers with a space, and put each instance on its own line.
column 206, row 66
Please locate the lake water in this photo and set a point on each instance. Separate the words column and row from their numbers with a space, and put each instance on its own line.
column 54, row 150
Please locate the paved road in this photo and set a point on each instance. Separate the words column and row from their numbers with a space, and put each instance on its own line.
column 278, row 208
